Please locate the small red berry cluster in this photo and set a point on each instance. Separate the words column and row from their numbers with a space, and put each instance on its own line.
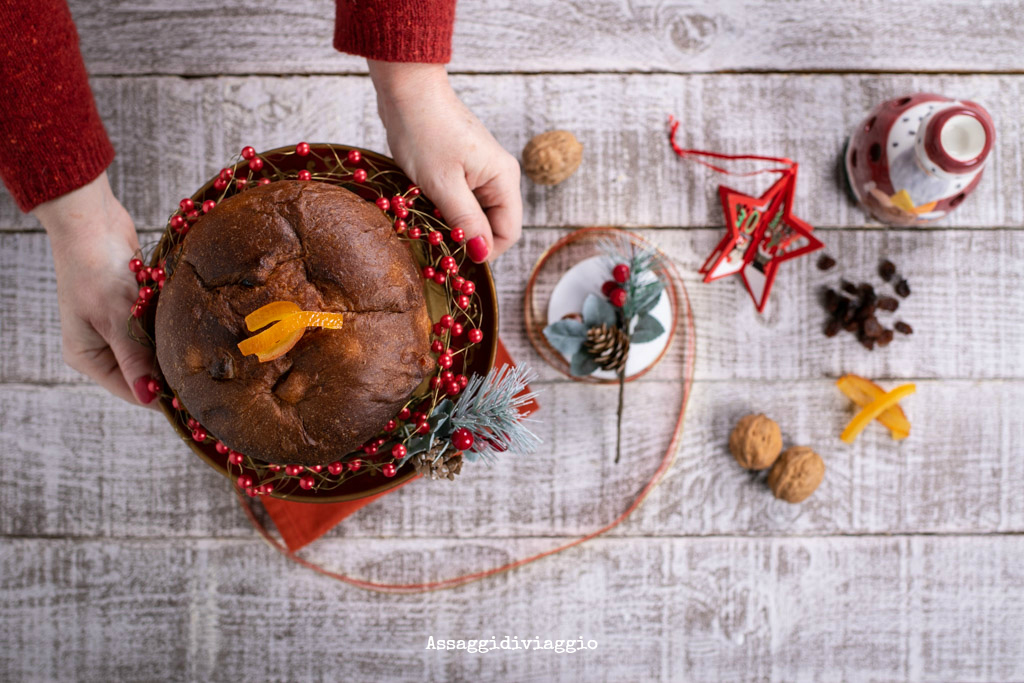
column 612, row 289
column 440, row 250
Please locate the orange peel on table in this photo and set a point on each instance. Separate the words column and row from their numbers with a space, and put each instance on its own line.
column 863, row 391
column 874, row 409
column 290, row 323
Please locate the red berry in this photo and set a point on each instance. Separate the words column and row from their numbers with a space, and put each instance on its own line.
column 159, row 274
column 440, row 277
column 435, row 382
column 145, row 293
column 250, row 491
column 390, row 426
column 192, row 215
column 462, row 439
column 458, row 234
column 401, row 211
column 135, row 265
column 307, row 482
column 468, row 288
column 192, row 423
column 608, row 287
column 187, row 204
column 452, row 388
column 305, row 175
column 398, row 451
column 354, row 156
column 462, row 380
column 476, row 336
column 316, row 468
column 293, row 470
column 429, row 272
column 302, row 149
column 177, row 221
column 413, row 190
column 414, row 233
column 400, row 226
column 256, row 164
column 446, row 321
column 360, row 175
column 620, row 273
column 423, row 427
column 462, row 301
column 244, row 481
column 435, row 238
column 389, row 470
column 617, row 297
column 418, row 417
column 447, row 376
column 226, row 174
column 153, row 386
column 208, row 205
column 436, row 346
column 456, row 329
column 398, row 200
column 370, row 449
column 175, row 403
column 404, row 414
column 236, row 458
column 248, row 153
column 274, row 468
column 221, row 448
column 437, row 213
column 138, row 310
column 199, row 434
column 335, row 468
column 438, row 329
column 241, row 183
column 354, row 465
column 448, row 263
column 262, row 181
column 268, row 488
column 383, row 204
column 445, row 360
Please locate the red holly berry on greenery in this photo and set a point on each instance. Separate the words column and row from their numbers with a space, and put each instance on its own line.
column 462, row 439
column 389, row 470
column 618, row 297
column 398, row 451
column 608, row 287
column 620, row 273
column 404, row 414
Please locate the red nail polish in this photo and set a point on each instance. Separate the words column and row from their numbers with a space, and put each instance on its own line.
column 142, row 391
column 477, row 249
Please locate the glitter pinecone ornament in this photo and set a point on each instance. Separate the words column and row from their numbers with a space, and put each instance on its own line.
column 608, row 345
column 430, row 466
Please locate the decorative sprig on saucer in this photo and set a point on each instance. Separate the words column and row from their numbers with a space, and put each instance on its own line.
column 600, row 337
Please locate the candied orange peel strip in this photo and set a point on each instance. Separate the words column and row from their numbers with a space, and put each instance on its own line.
column 863, row 391
column 874, row 409
column 285, row 333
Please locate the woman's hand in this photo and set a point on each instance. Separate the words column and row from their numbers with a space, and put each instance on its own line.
column 93, row 238
column 445, row 149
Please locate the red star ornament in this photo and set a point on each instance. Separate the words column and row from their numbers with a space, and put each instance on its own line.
column 762, row 233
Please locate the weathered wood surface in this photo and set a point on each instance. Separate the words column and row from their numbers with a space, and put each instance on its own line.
column 80, row 463
column 961, row 281
column 173, row 134
column 719, row 609
column 267, row 37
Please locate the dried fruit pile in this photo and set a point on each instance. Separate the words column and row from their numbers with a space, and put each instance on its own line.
column 855, row 308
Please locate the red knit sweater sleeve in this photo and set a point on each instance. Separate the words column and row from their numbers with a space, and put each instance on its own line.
column 51, row 138
column 396, row 30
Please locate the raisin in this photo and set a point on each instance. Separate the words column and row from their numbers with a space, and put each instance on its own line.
column 852, row 326
column 867, row 342
column 887, row 303
column 884, row 339
column 832, row 327
column 849, row 287
column 832, row 301
column 903, row 328
column 902, row 288
column 872, row 328
column 866, row 291
column 850, row 315
column 865, row 311
column 825, row 262
column 886, row 269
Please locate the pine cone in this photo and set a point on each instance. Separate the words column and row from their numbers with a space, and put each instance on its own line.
column 608, row 345
column 431, row 466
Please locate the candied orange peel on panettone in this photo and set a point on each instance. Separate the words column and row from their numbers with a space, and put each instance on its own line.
column 290, row 323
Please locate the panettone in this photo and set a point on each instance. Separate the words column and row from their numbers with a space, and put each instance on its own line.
column 325, row 249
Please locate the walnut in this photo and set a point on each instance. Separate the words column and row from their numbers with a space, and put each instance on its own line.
column 755, row 442
column 550, row 158
column 796, row 474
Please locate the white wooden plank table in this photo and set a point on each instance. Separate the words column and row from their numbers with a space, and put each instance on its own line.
column 122, row 557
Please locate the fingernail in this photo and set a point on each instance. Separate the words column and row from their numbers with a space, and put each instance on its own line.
column 477, row 249
column 142, row 391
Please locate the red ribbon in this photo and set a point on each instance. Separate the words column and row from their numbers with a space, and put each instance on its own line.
column 691, row 153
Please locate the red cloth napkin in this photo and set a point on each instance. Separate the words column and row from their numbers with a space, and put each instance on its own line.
column 302, row 523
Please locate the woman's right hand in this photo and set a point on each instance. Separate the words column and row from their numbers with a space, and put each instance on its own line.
column 93, row 239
